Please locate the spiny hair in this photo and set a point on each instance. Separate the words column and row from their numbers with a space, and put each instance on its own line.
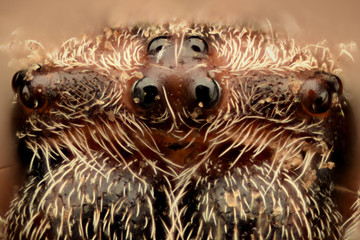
column 245, row 50
column 108, row 177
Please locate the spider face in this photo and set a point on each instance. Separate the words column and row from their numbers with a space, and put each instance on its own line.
column 180, row 132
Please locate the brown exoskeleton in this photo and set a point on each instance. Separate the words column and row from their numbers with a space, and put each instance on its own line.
column 181, row 131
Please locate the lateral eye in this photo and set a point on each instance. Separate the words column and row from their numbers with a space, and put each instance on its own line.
column 331, row 81
column 31, row 93
column 198, row 45
column 32, row 97
column 316, row 97
column 157, row 44
column 18, row 79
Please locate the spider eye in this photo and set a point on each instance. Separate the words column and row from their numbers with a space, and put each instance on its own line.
column 18, row 79
column 31, row 92
column 157, row 44
column 316, row 92
column 32, row 96
column 198, row 45
column 207, row 93
column 332, row 82
column 145, row 92
column 315, row 97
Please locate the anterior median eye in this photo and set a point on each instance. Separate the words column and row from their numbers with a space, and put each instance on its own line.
column 207, row 93
column 145, row 92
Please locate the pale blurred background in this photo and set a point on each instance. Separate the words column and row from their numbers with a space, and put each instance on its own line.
column 52, row 22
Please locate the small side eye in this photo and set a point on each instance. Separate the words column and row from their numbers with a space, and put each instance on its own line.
column 198, row 45
column 317, row 91
column 315, row 96
column 30, row 93
column 32, row 96
column 157, row 44
column 18, row 79
column 330, row 80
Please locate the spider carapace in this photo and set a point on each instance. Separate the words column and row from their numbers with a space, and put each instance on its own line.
column 180, row 131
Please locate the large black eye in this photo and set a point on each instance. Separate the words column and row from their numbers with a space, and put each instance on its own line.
column 315, row 96
column 207, row 92
column 145, row 92
column 157, row 44
column 198, row 45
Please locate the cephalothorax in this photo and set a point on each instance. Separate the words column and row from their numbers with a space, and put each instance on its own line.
column 180, row 131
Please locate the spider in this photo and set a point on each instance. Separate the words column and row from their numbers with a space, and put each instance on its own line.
column 182, row 131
